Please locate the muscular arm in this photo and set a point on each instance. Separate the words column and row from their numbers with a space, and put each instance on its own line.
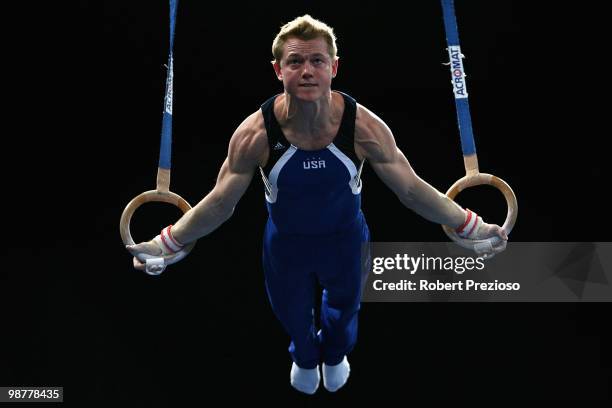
column 247, row 150
column 374, row 142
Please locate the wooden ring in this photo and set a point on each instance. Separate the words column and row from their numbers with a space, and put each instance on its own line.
column 477, row 180
column 147, row 197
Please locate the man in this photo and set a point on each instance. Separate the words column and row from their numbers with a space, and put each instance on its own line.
column 309, row 145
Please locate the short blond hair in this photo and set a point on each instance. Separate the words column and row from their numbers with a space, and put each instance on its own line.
column 305, row 28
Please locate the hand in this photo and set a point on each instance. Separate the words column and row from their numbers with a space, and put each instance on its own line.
column 475, row 228
column 160, row 246
column 149, row 248
column 488, row 231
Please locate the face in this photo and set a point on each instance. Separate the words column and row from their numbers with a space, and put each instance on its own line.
column 306, row 68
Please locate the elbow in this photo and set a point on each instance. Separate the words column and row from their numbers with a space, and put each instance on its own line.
column 227, row 213
column 408, row 194
column 224, row 210
column 407, row 198
column 220, row 206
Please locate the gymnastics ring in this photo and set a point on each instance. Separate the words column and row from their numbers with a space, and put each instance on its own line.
column 477, row 179
column 147, row 197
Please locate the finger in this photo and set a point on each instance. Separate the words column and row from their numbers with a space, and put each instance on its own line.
column 485, row 254
column 138, row 265
column 501, row 247
column 148, row 247
column 502, row 234
column 488, row 254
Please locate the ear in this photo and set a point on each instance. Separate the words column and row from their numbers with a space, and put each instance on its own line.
column 335, row 65
column 277, row 70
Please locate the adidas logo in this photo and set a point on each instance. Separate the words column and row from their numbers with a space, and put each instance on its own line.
column 278, row 146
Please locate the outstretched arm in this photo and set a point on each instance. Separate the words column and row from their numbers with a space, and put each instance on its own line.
column 375, row 142
column 248, row 148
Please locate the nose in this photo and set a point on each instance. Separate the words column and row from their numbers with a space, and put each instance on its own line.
column 307, row 71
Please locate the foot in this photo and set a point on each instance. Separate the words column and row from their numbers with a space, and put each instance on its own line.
column 334, row 377
column 305, row 380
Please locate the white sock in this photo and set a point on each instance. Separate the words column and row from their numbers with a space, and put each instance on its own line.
column 305, row 380
column 334, row 377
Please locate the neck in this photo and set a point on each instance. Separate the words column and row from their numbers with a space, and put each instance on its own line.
column 308, row 116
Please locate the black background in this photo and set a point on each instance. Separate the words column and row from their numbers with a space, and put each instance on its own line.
column 84, row 140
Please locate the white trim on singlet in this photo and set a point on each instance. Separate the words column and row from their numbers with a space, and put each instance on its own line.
column 355, row 181
column 271, row 183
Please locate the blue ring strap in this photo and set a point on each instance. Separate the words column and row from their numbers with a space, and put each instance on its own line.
column 458, row 79
column 165, row 150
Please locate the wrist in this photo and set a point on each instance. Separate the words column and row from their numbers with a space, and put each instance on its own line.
column 167, row 242
column 470, row 225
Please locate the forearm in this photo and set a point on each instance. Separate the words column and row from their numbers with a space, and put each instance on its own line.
column 432, row 205
column 201, row 220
